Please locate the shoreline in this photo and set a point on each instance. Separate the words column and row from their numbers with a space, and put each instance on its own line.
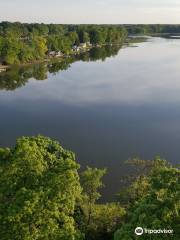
column 4, row 68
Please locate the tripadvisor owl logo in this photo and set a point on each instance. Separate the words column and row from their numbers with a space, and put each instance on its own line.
column 139, row 231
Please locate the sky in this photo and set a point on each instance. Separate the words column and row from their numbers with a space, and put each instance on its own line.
column 91, row 11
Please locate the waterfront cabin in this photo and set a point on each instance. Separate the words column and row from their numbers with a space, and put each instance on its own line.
column 2, row 68
column 75, row 48
column 55, row 54
column 83, row 45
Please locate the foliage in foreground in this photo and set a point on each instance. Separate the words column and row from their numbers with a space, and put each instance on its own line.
column 157, row 206
column 99, row 220
column 39, row 185
column 42, row 197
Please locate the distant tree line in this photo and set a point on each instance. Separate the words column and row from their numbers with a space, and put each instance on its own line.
column 23, row 43
column 153, row 28
column 43, row 196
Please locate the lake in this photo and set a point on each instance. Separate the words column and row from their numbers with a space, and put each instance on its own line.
column 106, row 105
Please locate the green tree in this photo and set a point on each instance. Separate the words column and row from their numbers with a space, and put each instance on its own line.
column 105, row 220
column 97, row 221
column 85, row 37
column 52, row 43
column 159, row 208
column 11, row 49
column 91, row 183
column 74, row 38
column 97, row 37
column 26, row 53
column 39, row 46
column 137, row 185
column 39, row 185
column 1, row 45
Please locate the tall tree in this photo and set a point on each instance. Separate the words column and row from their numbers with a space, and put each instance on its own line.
column 39, row 185
column 157, row 208
column 91, row 180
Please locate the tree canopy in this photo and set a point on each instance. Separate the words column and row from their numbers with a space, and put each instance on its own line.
column 158, row 205
column 39, row 185
column 24, row 43
column 43, row 197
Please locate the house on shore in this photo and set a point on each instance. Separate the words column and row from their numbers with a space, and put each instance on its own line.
column 81, row 47
column 76, row 48
column 89, row 44
column 2, row 68
column 55, row 54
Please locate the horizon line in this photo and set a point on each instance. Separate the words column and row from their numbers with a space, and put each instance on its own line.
column 1, row 21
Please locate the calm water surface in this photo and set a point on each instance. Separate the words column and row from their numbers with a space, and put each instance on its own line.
column 106, row 107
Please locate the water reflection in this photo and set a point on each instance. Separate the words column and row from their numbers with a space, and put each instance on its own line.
column 103, row 105
column 17, row 77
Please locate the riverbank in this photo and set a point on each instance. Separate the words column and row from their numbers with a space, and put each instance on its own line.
column 48, row 58
column 4, row 68
column 136, row 39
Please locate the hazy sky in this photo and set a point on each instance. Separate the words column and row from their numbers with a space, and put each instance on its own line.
column 91, row 11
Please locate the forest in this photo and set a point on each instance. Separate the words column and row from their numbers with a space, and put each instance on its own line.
column 27, row 43
column 153, row 29
column 45, row 195
column 24, row 43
